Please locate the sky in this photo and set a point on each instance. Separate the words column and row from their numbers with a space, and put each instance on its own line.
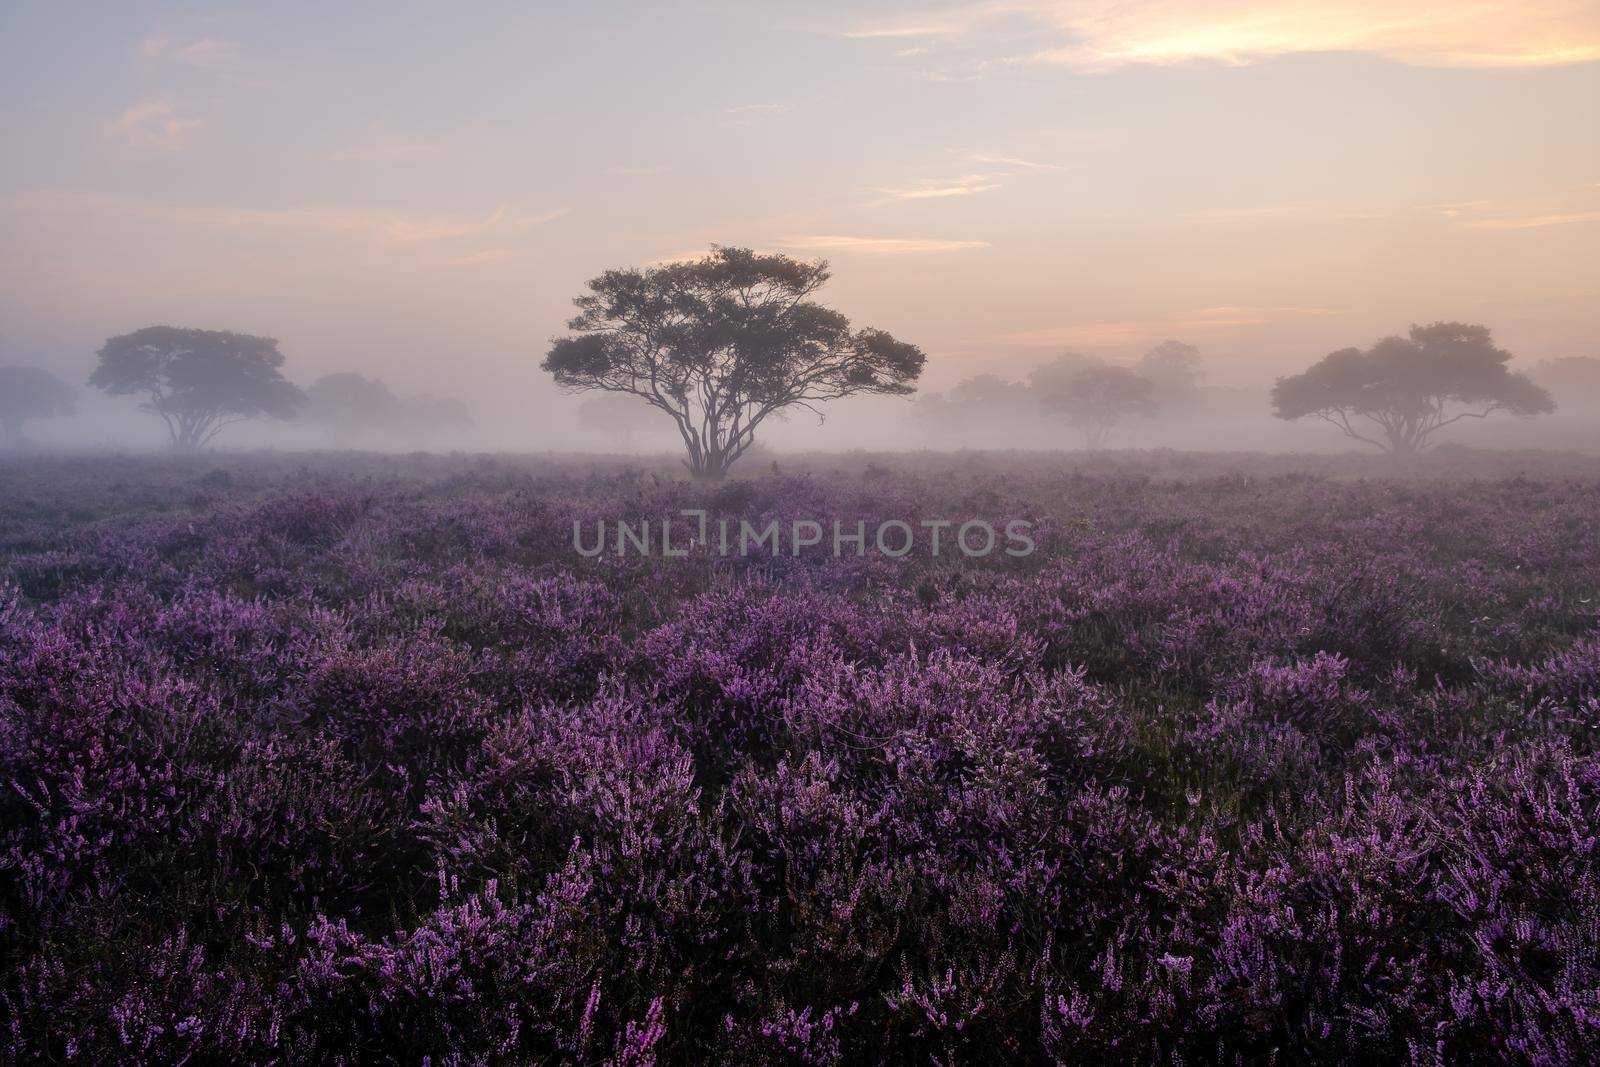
column 418, row 191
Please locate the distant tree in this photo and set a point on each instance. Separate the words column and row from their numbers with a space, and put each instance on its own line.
column 428, row 416
column 30, row 393
column 989, row 391
column 349, row 406
column 721, row 344
column 198, row 381
column 1571, row 377
column 615, row 418
column 1055, row 377
column 1403, row 390
column 1175, row 369
column 984, row 408
column 1099, row 398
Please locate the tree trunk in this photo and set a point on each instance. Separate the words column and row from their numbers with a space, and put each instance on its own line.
column 709, row 469
column 1402, row 447
column 189, row 432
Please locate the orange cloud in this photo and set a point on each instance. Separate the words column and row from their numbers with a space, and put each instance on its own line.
column 1534, row 222
column 1100, row 34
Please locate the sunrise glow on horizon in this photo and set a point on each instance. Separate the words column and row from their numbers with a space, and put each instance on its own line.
column 376, row 186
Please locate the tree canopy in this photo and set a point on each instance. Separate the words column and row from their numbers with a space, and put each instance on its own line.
column 1572, row 378
column 1175, row 369
column 978, row 410
column 1097, row 398
column 616, row 419
column 428, row 416
column 1399, row 393
column 1056, row 377
column 722, row 343
column 198, row 381
column 27, row 393
column 350, row 405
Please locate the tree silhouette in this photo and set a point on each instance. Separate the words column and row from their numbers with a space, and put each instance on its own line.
column 723, row 343
column 28, row 393
column 1575, row 379
column 1098, row 398
column 428, row 416
column 1403, row 390
column 198, row 381
column 977, row 409
column 614, row 418
column 1175, row 369
column 1057, row 376
column 349, row 406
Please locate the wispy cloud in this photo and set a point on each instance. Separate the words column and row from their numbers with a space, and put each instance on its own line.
column 938, row 189
column 683, row 255
column 1530, row 213
column 478, row 259
column 878, row 246
column 153, row 124
column 1533, row 222
column 1257, row 211
column 387, row 150
column 932, row 25
column 1462, row 207
column 383, row 228
column 1140, row 332
column 1011, row 161
column 966, row 184
column 196, row 52
column 1099, row 34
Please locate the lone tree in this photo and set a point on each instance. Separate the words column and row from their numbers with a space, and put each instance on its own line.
column 198, row 381
column 1098, row 398
column 29, row 393
column 722, row 343
column 1403, row 390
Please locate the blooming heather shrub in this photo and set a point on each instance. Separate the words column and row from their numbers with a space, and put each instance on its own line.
column 1570, row 676
column 352, row 760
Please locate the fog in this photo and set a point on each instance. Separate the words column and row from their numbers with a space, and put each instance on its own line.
column 1266, row 197
column 528, row 414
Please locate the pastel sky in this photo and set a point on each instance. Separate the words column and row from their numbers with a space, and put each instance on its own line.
column 418, row 191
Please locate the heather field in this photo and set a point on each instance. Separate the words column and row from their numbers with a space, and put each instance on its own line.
column 339, row 759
